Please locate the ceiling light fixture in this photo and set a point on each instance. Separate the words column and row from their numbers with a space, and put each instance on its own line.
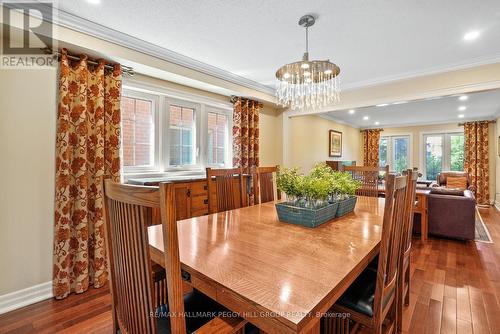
column 309, row 84
column 365, row 118
column 472, row 35
column 461, row 116
column 462, row 108
column 382, row 105
column 352, row 111
column 463, row 98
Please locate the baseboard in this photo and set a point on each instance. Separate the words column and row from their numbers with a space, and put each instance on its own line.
column 24, row 297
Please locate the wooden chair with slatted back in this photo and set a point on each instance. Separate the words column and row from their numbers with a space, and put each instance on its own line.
column 404, row 266
column 368, row 176
column 371, row 300
column 229, row 194
column 127, row 211
column 264, row 189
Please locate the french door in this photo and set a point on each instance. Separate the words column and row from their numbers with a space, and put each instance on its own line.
column 443, row 152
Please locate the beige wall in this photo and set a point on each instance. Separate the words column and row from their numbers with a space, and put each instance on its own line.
column 416, row 132
column 27, row 141
column 308, row 141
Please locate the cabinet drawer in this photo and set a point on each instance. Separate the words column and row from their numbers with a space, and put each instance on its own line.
column 199, row 188
column 199, row 203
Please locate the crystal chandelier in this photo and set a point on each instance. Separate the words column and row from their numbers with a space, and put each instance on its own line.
column 307, row 84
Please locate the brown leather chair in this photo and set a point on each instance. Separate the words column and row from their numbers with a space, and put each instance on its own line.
column 443, row 176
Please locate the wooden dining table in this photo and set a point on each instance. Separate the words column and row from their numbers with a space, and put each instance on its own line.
column 281, row 277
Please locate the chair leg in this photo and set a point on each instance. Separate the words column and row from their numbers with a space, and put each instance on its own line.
column 407, row 284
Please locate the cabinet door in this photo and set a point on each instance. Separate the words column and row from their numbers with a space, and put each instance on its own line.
column 182, row 201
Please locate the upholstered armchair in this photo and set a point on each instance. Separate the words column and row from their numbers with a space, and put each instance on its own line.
column 443, row 176
column 451, row 212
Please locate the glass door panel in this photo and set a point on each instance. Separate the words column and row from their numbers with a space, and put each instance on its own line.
column 433, row 156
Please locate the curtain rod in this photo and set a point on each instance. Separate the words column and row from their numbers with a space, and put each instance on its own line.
column 125, row 69
column 490, row 121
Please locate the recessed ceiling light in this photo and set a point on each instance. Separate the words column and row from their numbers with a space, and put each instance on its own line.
column 377, row 123
column 461, row 116
column 365, row 118
column 471, row 35
column 382, row 105
column 462, row 108
column 400, row 102
column 352, row 111
column 463, row 98
column 94, row 2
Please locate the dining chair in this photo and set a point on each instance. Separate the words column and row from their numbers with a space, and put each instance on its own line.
column 368, row 176
column 127, row 211
column 404, row 265
column 371, row 300
column 226, row 185
column 264, row 184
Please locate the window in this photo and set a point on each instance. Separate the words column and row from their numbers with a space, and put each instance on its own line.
column 395, row 152
column 443, row 151
column 217, row 138
column 182, row 131
column 138, row 131
column 166, row 134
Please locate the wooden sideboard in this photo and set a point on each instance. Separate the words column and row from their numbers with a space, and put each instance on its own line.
column 191, row 196
column 339, row 165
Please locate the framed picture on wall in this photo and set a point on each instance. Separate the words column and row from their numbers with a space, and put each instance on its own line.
column 335, row 144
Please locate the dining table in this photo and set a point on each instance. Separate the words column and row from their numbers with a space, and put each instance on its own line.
column 281, row 277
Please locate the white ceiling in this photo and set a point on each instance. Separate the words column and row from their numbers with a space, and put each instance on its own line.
column 480, row 105
column 371, row 41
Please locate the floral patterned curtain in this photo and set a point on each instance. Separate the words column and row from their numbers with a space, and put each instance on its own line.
column 87, row 149
column 371, row 143
column 476, row 159
column 246, row 133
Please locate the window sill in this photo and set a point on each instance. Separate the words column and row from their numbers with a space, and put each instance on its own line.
column 166, row 176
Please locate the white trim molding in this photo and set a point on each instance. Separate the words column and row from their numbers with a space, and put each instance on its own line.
column 17, row 299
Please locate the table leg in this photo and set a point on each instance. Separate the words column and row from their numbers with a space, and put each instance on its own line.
column 424, row 229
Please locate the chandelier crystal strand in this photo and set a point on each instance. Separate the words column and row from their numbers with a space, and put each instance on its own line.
column 308, row 84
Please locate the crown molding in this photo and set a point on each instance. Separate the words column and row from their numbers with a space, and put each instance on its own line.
column 74, row 22
column 479, row 61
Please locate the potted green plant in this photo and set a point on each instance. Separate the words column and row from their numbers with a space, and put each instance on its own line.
column 309, row 197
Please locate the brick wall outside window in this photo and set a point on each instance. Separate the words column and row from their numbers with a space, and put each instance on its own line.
column 137, row 132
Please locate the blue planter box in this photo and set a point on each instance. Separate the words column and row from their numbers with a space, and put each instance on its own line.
column 308, row 217
column 346, row 206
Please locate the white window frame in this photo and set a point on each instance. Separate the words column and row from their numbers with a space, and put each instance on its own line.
column 228, row 137
column 154, row 106
column 446, row 149
column 201, row 104
column 390, row 147
column 168, row 101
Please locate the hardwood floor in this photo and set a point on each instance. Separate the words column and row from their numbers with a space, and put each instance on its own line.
column 455, row 288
